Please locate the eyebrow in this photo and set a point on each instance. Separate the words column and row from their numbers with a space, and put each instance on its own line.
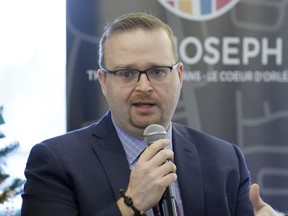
column 133, row 66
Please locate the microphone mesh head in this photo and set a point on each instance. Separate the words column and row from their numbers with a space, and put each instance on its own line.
column 153, row 133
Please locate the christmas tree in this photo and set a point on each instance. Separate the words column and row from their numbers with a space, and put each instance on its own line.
column 9, row 188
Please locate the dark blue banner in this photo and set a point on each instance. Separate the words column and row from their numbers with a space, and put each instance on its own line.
column 236, row 74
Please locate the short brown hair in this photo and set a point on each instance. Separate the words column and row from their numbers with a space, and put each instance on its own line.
column 132, row 21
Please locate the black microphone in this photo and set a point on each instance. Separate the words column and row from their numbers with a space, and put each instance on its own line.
column 151, row 134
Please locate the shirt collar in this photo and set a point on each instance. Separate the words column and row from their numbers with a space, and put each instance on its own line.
column 133, row 147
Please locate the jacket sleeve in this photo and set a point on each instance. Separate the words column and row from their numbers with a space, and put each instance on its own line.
column 243, row 207
column 49, row 189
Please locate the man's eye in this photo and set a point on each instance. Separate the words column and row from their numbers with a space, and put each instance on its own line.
column 127, row 74
column 124, row 73
column 158, row 71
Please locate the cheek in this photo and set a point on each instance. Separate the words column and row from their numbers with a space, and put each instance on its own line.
column 115, row 95
column 171, row 95
column 111, row 93
column 172, row 90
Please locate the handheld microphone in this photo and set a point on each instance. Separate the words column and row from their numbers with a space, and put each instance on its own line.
column 151, row 134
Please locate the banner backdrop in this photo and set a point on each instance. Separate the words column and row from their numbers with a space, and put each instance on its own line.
column 235, row 55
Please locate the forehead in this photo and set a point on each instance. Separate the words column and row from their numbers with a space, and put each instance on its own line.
column 138, row 46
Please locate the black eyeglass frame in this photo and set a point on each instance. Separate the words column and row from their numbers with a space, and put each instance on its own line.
column 171, row 68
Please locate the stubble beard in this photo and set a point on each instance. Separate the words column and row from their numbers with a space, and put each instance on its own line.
column 141, row 122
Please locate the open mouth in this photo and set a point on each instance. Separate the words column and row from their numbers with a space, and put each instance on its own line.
column 144, row 107
column 142, row 104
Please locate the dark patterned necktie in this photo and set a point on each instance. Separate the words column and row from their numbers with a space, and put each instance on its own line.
column 156, row 210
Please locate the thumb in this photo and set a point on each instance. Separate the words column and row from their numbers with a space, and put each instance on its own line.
column 255, row 198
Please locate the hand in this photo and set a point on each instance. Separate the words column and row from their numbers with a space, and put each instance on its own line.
column 151, row 175
column 260, row 207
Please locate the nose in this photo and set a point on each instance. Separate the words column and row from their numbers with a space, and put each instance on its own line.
column 144, row 84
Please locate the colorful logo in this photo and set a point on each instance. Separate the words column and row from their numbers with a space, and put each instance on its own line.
column 198, row 10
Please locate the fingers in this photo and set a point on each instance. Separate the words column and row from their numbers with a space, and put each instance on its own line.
column 255, row 196
column 151, row 175
column 166, row 168
column 260, row 207
column 157, row 152
column 157, row 158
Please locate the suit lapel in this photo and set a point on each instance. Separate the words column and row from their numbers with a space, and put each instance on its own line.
column 189, row 172
column 112, row 157
column 111, row 154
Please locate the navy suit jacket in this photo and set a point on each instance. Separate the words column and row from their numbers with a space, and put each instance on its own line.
column 80, row 173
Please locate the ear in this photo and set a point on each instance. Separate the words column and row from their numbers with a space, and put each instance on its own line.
column 102, row 79
column 180, row 70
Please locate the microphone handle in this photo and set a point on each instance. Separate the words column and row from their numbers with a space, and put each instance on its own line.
column 168, row 203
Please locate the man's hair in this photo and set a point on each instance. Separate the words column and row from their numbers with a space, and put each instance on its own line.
column 130, row 22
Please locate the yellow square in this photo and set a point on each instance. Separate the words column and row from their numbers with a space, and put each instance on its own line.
column 185, row 6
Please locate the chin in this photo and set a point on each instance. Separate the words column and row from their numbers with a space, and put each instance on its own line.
column 144, row 123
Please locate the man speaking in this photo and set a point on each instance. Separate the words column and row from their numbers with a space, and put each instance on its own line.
column 108, row 168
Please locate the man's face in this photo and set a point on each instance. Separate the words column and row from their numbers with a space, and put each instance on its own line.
column 135, row 107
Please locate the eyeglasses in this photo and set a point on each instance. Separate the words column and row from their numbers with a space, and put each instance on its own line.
column 129, row 77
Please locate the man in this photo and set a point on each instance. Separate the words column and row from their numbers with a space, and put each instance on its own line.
column 83, row 172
